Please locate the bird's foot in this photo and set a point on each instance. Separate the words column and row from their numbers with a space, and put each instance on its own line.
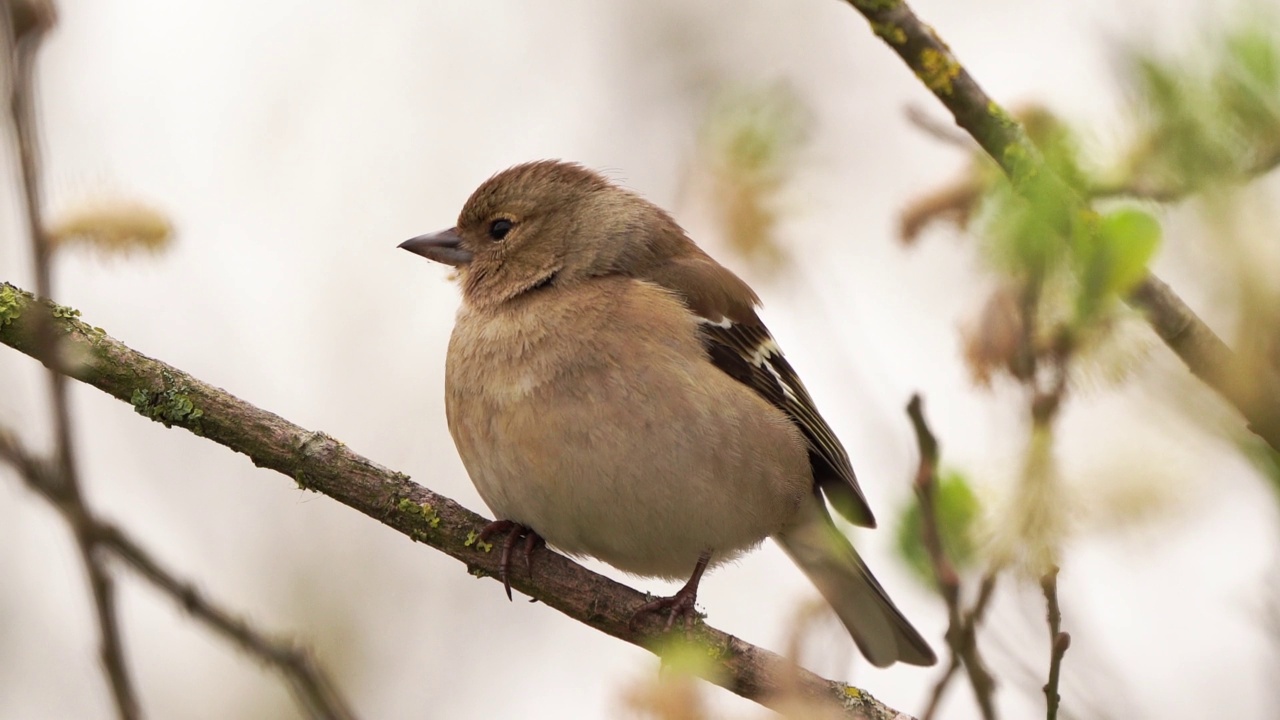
column 514, row 532
column 678, row 606
column 682, row 604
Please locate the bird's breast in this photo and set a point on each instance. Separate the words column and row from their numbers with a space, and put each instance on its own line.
column 503, row 358
column 601, row 424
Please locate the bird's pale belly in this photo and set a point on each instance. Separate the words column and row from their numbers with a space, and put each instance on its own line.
column 610, row 486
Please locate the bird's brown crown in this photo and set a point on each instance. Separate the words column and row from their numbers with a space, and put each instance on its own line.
column 541, row 187
column 552, row 222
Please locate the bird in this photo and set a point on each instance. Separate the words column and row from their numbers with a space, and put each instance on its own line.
column 613, row 393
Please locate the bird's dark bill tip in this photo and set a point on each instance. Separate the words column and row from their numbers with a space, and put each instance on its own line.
column 442, row 247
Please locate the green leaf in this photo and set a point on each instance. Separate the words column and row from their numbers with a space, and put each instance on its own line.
column 1208, row 113
column 1249, row 83
column 1253, row 50
column 1111, row 257
column 957, row 509
column 1129, row 238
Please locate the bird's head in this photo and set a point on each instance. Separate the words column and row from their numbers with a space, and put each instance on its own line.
column 546, row 223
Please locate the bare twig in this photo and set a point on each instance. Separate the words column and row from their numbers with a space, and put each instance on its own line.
column 52, row 483
column 955, row 201
column 962, row 628
column 926, row 492
column 1145, row 189
column 58, row 480
column 1058, row 642
column 940, row 688
column 968, row 637
column 1005, row 140
column 318, row 462
column 23, row 39
column 937, row 129
column 311, row 687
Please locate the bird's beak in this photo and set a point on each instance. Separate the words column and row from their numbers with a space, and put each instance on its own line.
column 443, row 247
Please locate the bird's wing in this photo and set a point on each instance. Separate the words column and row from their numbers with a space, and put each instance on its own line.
column 739, row 344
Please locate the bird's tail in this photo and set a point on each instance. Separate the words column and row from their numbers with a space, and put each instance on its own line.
column 881, row 632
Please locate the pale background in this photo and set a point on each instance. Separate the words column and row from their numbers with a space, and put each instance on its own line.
column 294, row 144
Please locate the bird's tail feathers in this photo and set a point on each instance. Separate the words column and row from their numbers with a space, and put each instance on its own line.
column 824, row 554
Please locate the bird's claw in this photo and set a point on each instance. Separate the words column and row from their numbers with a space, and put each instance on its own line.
column 513, row 531
column 678, row 606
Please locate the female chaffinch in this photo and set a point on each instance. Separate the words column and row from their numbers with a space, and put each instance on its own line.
column 612, row 391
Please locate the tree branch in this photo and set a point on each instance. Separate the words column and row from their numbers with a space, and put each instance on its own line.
column 1059, row 641
column 962, row 627
column 1144, row 189
column 311, row 687
column 319, row 463
column 1255, row 395
column 1252, row 390
column 309, row 683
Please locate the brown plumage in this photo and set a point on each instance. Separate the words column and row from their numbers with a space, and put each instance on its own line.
column 611, row 389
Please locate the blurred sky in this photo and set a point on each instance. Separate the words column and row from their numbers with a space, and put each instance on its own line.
column 294, row 144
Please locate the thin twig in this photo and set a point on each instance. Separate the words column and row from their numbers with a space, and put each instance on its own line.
column 23, row 52
column 317, row 462
column 111, row 650
column 962, row 627
column 955, row 201
column 979, row 675
column 23, row 44
column 59, row 480
column 1058, row 642
column 926, row 492
column 940, row 688
column 1143, row 189
column 311, row 686
column 1005, row 140
column 924, row 121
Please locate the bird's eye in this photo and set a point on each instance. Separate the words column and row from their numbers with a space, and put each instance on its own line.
column 499, row 228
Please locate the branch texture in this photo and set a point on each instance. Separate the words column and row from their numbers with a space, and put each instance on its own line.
column 320, row 463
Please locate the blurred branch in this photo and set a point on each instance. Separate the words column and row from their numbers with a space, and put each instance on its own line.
column 58, row 479
column 25, row 24
column 318, row 462
column 1256, row 393
column 1058, row 642
column 968, row 637
column 935, row 128
column 1005, row 140
column 311, row 687
column 1145, row 189
column 54, row 485
column 962, row 626
column 310, row 684
column 955, row 201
